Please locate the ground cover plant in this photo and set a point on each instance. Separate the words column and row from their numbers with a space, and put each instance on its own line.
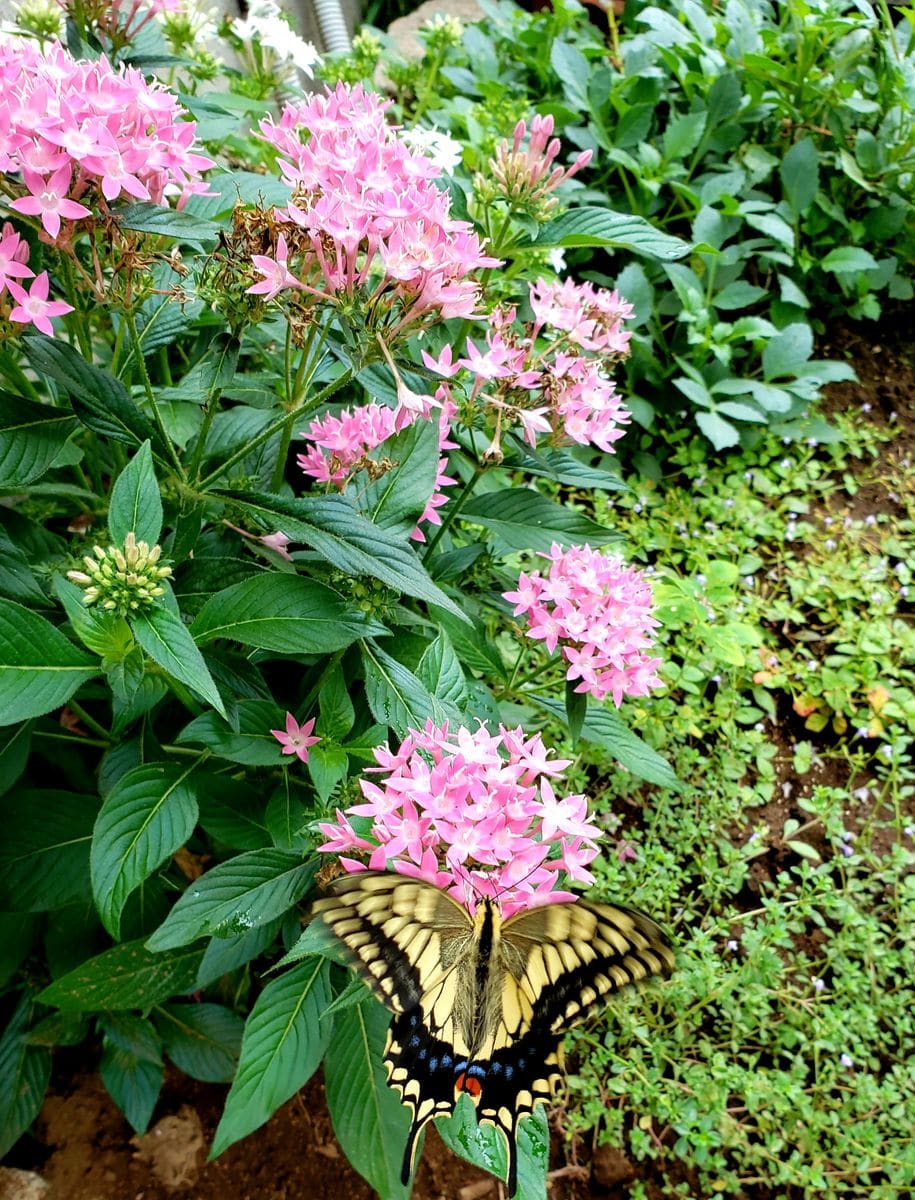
column 314, row 515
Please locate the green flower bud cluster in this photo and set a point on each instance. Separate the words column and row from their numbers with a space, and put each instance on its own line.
column 122, row 581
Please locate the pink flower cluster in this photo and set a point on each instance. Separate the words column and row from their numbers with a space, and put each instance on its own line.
column 600, row 610
column 78, row 130
column 30, row 307
column 527, row 176
column 472, row 812
column 369, row 213
column 341, row 445
column 549, row 376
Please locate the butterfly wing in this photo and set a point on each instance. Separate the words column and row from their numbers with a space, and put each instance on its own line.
column 408, row 940
column 559, row 962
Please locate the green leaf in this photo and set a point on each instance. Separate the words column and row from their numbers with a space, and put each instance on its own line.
column 99, row 400
column 397, row 498
column 283, row 1044
column 396, row 697
column 126, row 976
column 251, row 743
column 202, row 1040
column 148, row 815
column 683, row 134
column 145, row 217
column 370, row 1122
column 440, row 670
column 588, row 226
column 328, row 765
column 24, row 1075
column 44, row 851
column 337, row 713
column 285, row 613
column 484, row 1146
column 132, row 1081
column 248, row 890
column 39, row 669
column 15, row 743
column 332, row 527
column 719, row 432
column 286, row 817
column 788, row 351
column 605, row 728
column 800, row 175
column 231, row 811
column 525, row 520
column 848, row 260
column 17, row 580
column 31, row 437
column 573, row 70
column 135, row 505
column 225, row 954
column 576, row 710
column 17, row 933
column 167, row 642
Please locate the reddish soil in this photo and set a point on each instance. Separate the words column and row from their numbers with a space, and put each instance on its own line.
column 85, row 1150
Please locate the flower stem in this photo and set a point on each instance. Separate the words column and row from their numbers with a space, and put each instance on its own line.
column 275, row 427
column 454, row 509
column 150, row 394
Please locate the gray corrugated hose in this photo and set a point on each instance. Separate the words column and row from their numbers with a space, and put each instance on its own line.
column 332, row 23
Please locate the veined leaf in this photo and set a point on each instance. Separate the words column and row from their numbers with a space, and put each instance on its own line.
column 283, row 1043
column 39, row 669
column 525, row 520
column 24, row 1074
column 44, row 851
column 202, row 1040
column 167, row 642
column 31, row 437
column 589, row 226
column 135, row 505
column 126, row 976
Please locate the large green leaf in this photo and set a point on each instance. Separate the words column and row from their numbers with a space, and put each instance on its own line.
column 17, row 580
column 148, row 815
column 605, row 728
column 31, row 437
column 167, row 642
column 523, row 519
column 126, row 976
column 225, row 954
column 39, row 669
column 159, row 219
column 484, row 1146
column 202, row 1040
column 589, row 226
column 250, row 742
column 44, row 850
column 285, row 613
column 135, row 505
column 332, row 527
column 131, row 1066
column 100, row 401
column 283, row 1044
column 15, row 743
column 397, row 498
column 370, row 1122
column 397, row 697
column 24, row 1074
column 244, row 892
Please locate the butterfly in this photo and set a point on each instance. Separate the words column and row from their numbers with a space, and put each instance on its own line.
column 480, row 1003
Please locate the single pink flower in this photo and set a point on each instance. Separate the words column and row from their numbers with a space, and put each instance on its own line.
column 49, row 199
column 296, row 739
column 34, row 307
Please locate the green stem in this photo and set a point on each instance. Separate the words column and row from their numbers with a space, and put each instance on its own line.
column 89, row 722
column 308, row 364
column 275, row 427
column 78, row 325
column 150, row 394
column 453, row 510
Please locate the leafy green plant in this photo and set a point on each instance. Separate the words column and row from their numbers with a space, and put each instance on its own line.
column 777, row 138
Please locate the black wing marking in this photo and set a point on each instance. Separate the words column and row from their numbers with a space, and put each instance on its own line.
column 394, row 929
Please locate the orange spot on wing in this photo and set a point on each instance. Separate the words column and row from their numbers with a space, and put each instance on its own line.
column 466, row 1083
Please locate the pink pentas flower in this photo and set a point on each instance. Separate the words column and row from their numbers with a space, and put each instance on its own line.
column 472, row 812
column 14, row 255
column 34, row 307
column 48, row 199
column 368, row 215
column 81, row 134
column 600, row 609
column 295, row 738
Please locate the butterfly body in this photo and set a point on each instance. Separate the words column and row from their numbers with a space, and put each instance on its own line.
column 480, row 1002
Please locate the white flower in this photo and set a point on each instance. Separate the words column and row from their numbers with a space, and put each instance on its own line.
column 440, row 148
column 556, row 257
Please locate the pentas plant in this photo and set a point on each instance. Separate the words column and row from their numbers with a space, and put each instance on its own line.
column 473, row 812
column 366, row 229
column 549, row 375
column 600, row 611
